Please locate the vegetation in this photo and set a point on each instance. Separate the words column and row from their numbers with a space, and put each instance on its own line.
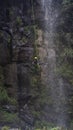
column 8, row 117
column 5, row 128
column 23, row 31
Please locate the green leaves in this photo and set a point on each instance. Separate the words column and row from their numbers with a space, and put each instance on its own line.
column 5, row 128
column 3, row 95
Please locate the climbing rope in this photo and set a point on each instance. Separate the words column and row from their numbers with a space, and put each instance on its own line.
column 34, row 27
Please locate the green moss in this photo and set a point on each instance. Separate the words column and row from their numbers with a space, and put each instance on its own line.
column 18, row 20
column 3, row 95
column 8, row 117
column 36, row 113
column 67, row 52
column 24, row 39
column 43, row 125
column 66, row 2
column 8, row 39
column 34, row 81
column 56, row 128
column 66, row 70
column 12, row 101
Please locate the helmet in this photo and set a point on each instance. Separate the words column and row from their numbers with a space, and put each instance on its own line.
column 35, row 58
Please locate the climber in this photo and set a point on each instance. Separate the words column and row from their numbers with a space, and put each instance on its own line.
column 35, row 60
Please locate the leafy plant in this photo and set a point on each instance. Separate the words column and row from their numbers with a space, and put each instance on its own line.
column 3, row 95
column 5, row 128
column 8, row 117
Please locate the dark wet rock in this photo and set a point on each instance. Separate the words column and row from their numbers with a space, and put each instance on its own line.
column 4, row 54
column 17, row 57
column 10, row 108
column 23, row 54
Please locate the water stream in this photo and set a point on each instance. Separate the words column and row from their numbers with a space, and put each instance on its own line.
column 53, row 81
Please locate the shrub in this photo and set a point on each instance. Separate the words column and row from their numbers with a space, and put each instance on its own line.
column 5, row 128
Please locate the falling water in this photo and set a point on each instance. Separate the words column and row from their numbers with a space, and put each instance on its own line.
column 52, row 80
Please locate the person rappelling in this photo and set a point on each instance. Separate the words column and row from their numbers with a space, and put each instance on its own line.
column 36, row 65
column 36, row 60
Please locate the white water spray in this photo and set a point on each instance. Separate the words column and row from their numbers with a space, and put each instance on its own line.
column 52, row 80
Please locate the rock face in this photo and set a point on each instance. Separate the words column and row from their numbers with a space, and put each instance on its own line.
column 24, row 36
column 21, row 78
column 16, row 56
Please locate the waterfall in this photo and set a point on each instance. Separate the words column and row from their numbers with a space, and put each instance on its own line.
column 53, row 81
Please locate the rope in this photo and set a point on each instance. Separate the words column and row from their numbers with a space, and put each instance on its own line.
column 34, row 28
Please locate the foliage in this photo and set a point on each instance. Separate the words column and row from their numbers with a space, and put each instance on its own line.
column 67, row 52
column 3, row 92
column 3, row 95
column 66, row 2
column 71, row 125
column 66, row 71
column 8, row 117
column 18, row 20
column 50, row 128
column 55, row 128
column 5, row 128
column 4, row 99
column 43, row 125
